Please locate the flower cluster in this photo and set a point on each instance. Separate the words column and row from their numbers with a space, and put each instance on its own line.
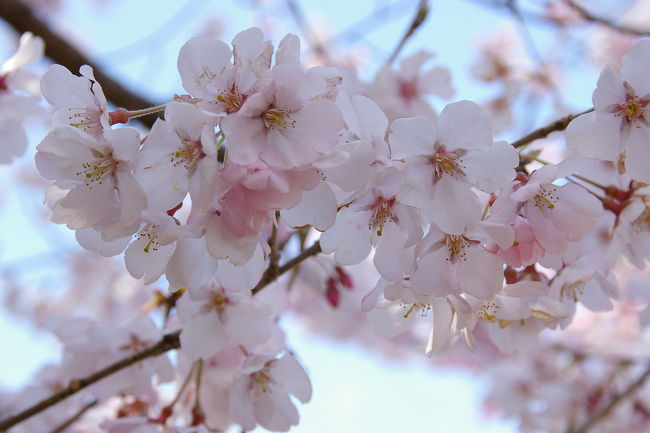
column 261, row 155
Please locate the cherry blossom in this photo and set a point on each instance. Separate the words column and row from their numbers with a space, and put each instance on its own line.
column 402, row 93
column 79, row 100
column 617, row 129
column 261, row 394
column 557, row 214
column 271, row 190
column 214, row 318
column 444, row 160
column 18, row 96
column 101, row 190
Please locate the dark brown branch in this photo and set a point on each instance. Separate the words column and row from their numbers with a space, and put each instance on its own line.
column 168, row 342
column 616, row 400
column 22, row 19
column 418, row 19
column 585, row 14
column 558, row 125
column 270, row 275
column 74, row 418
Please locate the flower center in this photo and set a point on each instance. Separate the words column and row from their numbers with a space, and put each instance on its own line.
column 187, row 154
column 546, row 198
column 447, row 163
column 633, row 109
column 261, row 379
column 231, row 99
column 488, row 312
column 277, row 118
column 408, row 90
column 456, row 246
column 86, row 120
column 418, row 307
column 98, row 169
column 218, row 301
column 150, row 233
column 382, row 211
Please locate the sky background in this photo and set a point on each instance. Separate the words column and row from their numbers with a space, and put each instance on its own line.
column 138, row 42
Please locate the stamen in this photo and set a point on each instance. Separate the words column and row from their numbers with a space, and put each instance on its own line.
column 276, row 118
column 187, row 154
column 261, row 379
column 150, row 232
column 546, row 198
column 232, row 99
column 420, row 307
column 447, row 163
column 456, row 246
column 382, row 211
column 97, row 170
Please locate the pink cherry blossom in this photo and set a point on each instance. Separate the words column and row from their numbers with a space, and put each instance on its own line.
column 102, row 192
column 260, row 395
column 618, row 129
column 281, row 124
column 79, row 100
column 18, row 96
column 213, row 318
column 443, row 161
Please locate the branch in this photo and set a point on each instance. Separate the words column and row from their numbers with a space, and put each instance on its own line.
column 618, row 399
column 168, row 342
column 585, row 14
column 270, row 275
column 419, row 18
column 22, row 19
column 74, row 418
column 559, row 125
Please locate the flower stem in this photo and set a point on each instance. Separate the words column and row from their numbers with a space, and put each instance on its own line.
column 139, row 113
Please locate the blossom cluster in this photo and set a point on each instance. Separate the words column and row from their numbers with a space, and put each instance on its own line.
column 262, row 155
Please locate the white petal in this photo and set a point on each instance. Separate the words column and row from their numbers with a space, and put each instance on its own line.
column 247, row 325
column 462, row 125
column 203, row 336
column 292, row 377
column 317, row 208
column 441, row 331
column 412, row 136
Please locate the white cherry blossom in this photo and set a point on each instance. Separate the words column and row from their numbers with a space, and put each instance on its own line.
column 261, row 393
column 443, row 161
column 102, row 192
column 618, row 129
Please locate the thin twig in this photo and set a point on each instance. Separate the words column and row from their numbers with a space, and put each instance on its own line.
column 585, row 14
column 558, row 125
column 19, row 16
column 274, row 256
column 74, row 418
column 615, row 401
column 197, row 384
column 183, row 386
column 268, row 277
column 420, row 16
column 168, row 342
column 307, row 31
